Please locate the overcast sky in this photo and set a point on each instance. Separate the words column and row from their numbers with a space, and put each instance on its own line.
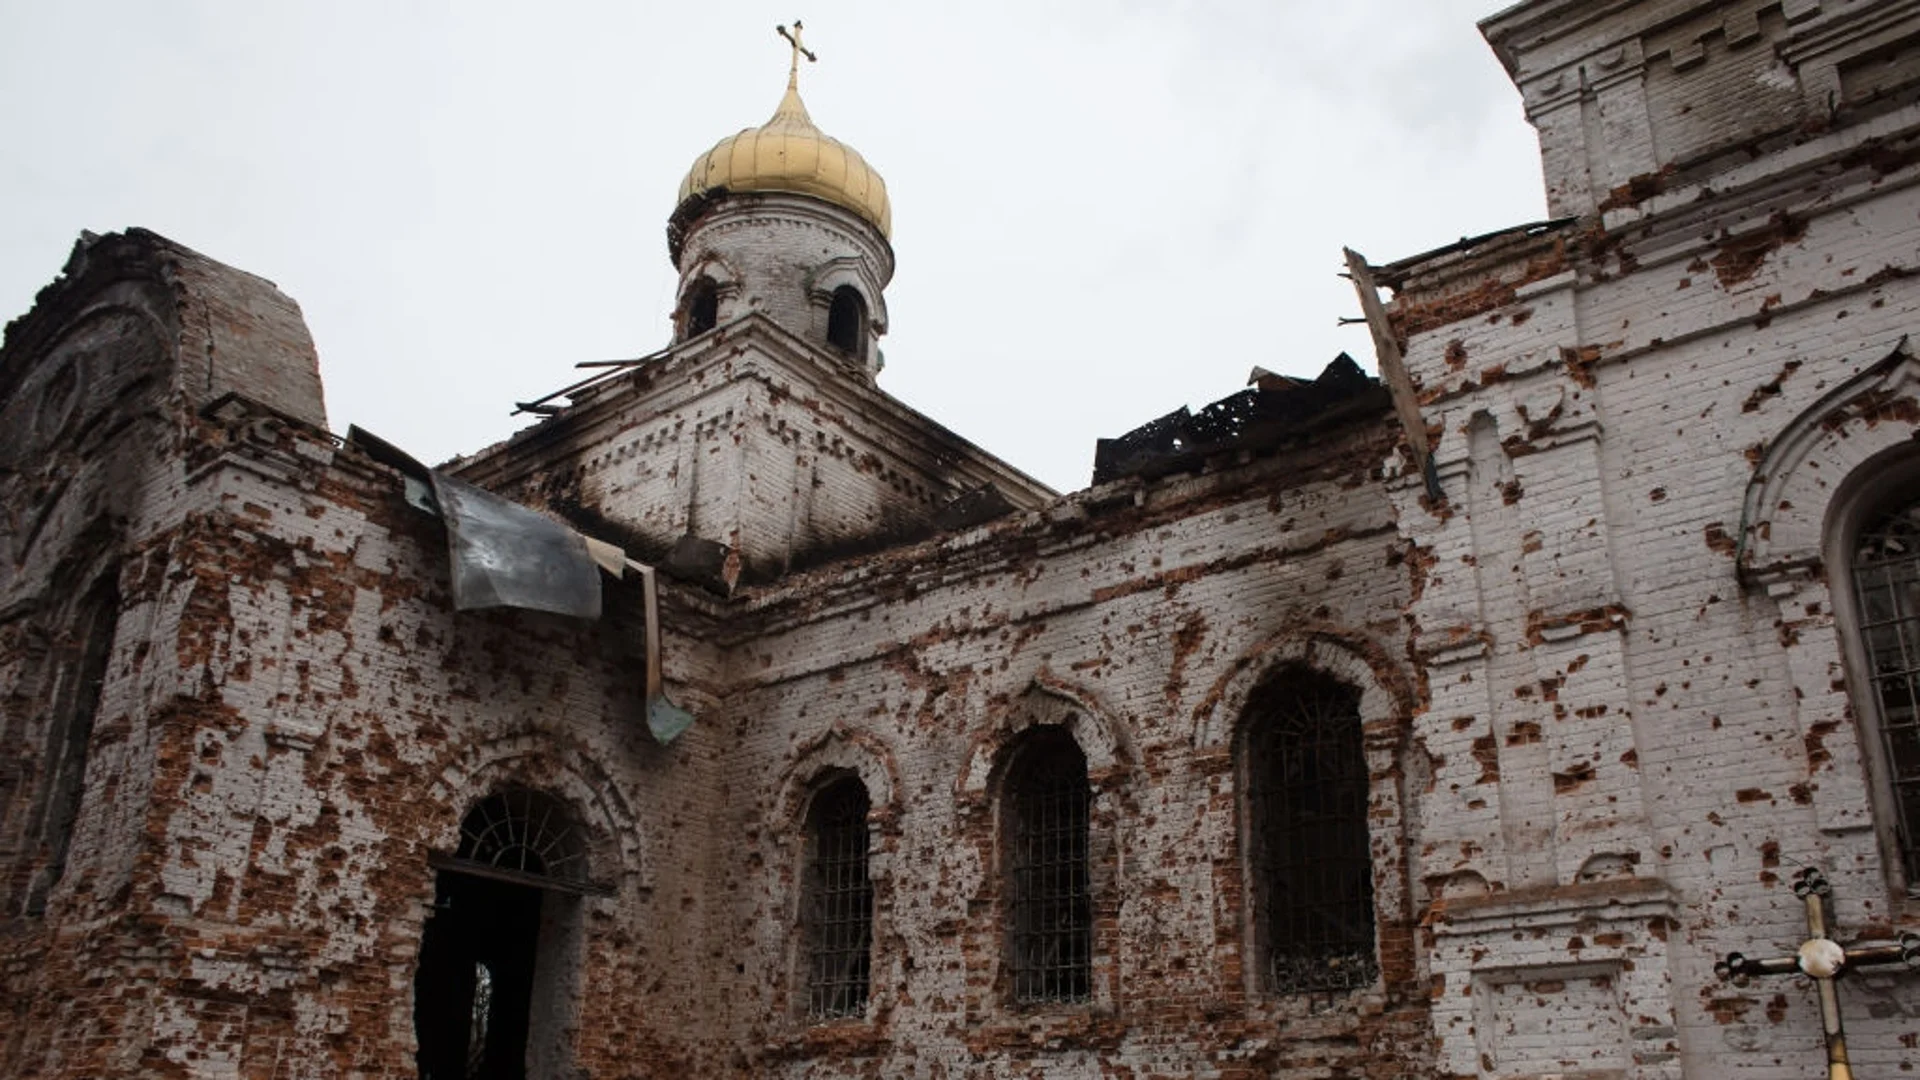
column 1101, row 211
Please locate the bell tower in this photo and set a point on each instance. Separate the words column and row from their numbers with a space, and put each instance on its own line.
column 758, row 442
column 784, row 220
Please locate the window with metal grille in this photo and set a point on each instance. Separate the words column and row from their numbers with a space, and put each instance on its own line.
column 1312, row 878
column 1049, row 907
column 838, row 913
column 1886, row 577
column 524, row 833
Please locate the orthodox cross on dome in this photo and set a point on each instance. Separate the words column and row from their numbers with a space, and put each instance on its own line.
column 799, row 50
column 1824, row 960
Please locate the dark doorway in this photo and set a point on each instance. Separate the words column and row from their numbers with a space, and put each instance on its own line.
column 474, row 994
column 504, row 930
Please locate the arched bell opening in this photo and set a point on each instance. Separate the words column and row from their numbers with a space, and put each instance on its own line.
column 847, row 321
column 701, row 312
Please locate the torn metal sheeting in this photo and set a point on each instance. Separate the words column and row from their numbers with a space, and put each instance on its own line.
column 419, row 495
column 607, row 557
column 665, row 720
column 505, row 555
column 417, row 479
column 385, row 452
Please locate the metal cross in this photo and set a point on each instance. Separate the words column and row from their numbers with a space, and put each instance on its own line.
column 799, row 50
column 1824, row 960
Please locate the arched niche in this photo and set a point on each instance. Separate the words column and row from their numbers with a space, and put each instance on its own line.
column 1785, row 509
column 849, row 311
column 1802, row 502
column 64, row 672
column 1387, row 698
column 847, row 322
column 1048, row 700
column 855, row 273
column 615, row 852
column 859, row 753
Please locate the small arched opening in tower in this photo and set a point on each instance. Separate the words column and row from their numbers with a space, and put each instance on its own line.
column 847, row 320
column 703, row 308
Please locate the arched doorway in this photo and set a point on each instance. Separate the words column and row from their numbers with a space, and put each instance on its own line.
column 491, row 995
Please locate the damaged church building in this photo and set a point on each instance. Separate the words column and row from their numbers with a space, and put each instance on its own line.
column 1548, row 705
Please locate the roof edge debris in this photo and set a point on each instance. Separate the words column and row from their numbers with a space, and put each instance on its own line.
column 1393, row 274
column 1276, row 407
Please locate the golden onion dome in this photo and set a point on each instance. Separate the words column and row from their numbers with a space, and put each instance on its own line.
column 789, row 154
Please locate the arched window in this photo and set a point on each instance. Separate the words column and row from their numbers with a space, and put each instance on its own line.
column 1885, row 556
column 837, row 916
column 81, row 677
column 1306, row 833
column 524, row 832
column 847, row 320
column 1049, row 905
column 703, row 308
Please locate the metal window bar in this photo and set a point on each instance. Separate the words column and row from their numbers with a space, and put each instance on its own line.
column 1886, row 571
column 839, row 904
column 1312, row 872
column 1051, row 908
column 525, row 831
